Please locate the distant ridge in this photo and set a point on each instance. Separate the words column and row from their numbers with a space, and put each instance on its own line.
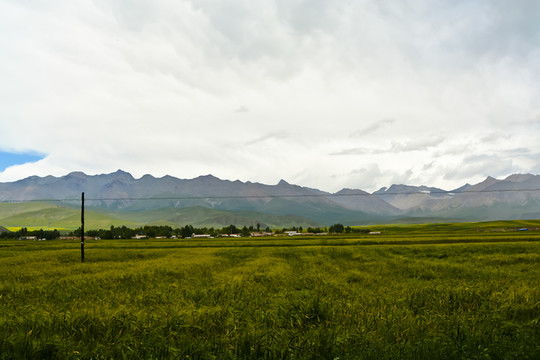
column 150, row 199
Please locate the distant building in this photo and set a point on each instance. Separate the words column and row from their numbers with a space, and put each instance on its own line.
column 204, row 236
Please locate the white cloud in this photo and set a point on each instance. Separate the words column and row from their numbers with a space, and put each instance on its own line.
column 264, row 91
column 372, row 128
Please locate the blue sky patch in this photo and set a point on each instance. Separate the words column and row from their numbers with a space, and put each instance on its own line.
column 8, row 159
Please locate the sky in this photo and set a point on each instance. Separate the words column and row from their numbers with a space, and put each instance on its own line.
column 327, row 94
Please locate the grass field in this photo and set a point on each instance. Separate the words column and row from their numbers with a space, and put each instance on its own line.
column 408, row 293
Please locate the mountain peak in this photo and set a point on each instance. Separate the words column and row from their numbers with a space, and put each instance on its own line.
column 519, row 177
column 208, row 177
column 77, row 174
column 121, row 172
column 461, row 188
column 122, row 175
column 283, row 182
column 347, row 191
column 489, row 181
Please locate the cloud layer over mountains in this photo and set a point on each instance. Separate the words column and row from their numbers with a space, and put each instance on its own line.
column 329, row 94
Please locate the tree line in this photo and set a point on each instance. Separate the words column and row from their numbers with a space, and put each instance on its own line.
column 165, row 231
column 24, row 233
column 154, row 231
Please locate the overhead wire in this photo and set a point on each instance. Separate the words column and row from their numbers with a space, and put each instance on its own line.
column 265, row 196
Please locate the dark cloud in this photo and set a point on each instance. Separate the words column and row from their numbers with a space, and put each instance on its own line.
column 277, row 135
column 416, row 144
column 421, row 144
column 494, row 137
column 428, row 166
column 501, row 30
column 353, row 151
column 517, row 152
column 373, row 127
column 481, row 165
column 241, row 109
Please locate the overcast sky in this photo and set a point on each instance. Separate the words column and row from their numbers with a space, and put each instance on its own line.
column 326, row 94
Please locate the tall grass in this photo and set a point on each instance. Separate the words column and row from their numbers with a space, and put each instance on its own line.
column 154, row 300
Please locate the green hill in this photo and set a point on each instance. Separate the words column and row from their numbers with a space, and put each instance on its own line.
column 200, row 216
column 54, row 216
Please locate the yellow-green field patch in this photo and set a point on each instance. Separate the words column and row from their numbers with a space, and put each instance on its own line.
column 312, row 298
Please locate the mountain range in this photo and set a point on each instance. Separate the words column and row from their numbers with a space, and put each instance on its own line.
column 119, row 198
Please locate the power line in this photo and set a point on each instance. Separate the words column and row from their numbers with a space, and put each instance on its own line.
column 218, row 197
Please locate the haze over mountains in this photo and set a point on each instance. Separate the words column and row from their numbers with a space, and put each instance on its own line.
column 209, row 201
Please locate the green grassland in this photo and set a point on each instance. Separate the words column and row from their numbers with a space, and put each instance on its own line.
column 41, row 215
column 38, row 215
column 55, row 216
column 457, row 227
column 412, row 292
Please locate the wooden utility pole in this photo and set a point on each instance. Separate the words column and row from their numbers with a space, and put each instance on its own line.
column 82, row 227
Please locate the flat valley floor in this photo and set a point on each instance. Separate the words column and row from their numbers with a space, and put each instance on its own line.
column 403, row 294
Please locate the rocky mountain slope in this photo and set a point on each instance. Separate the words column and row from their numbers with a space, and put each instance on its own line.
column 121, row 192
column 516, row 197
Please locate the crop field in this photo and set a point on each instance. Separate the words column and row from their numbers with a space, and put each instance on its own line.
column 412, row 292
